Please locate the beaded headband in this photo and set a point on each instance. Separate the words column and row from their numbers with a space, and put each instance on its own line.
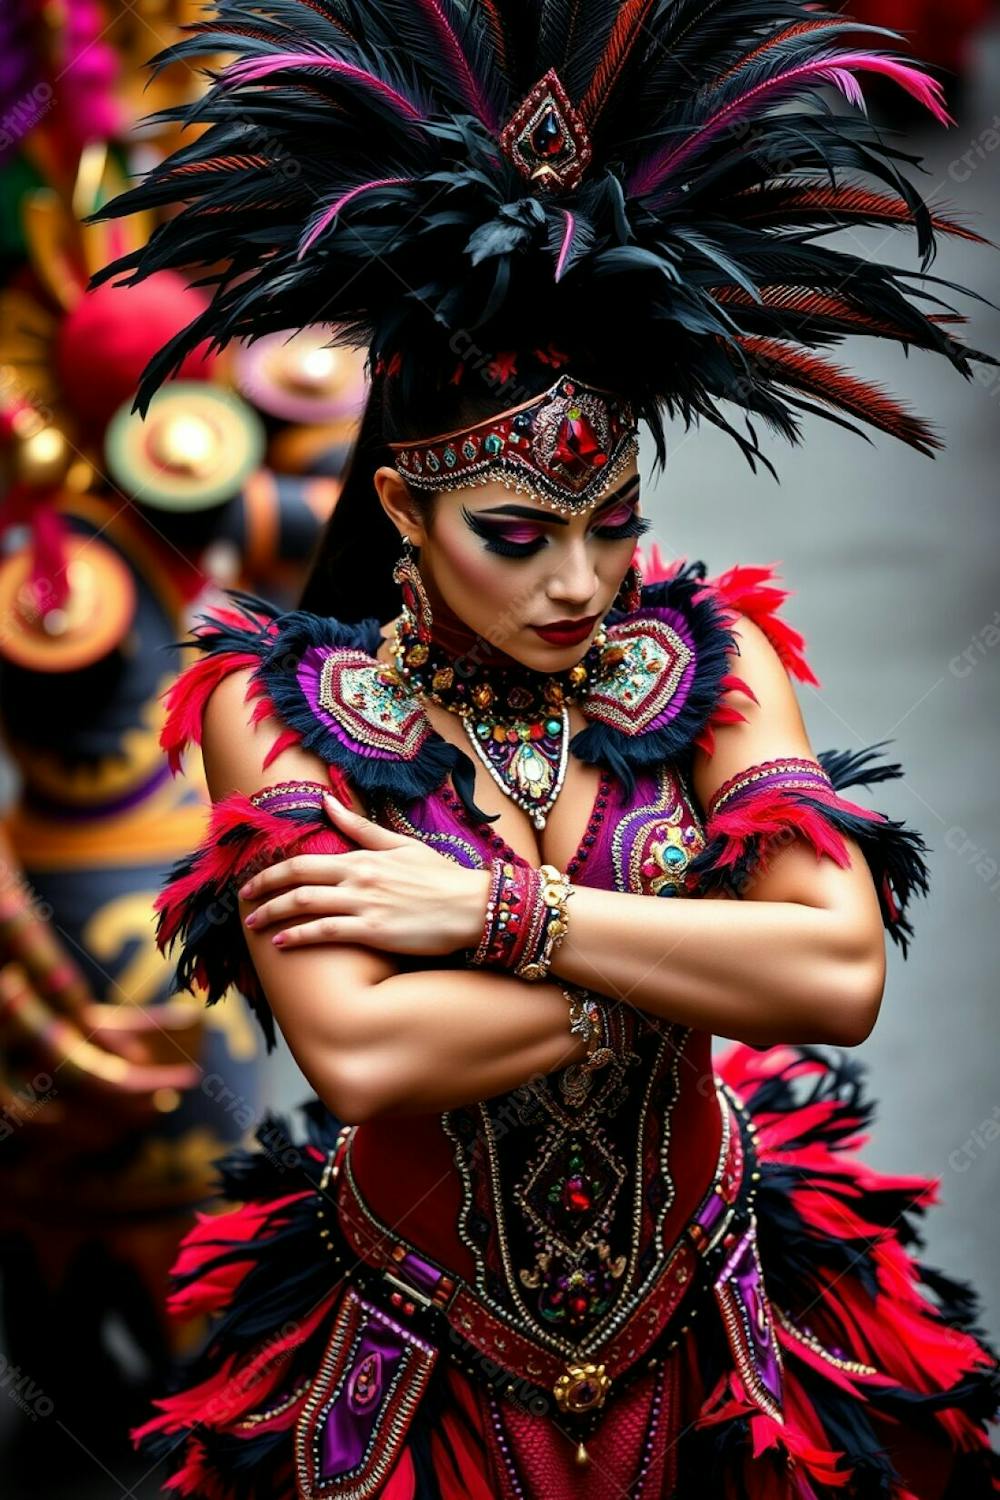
column 564, row 448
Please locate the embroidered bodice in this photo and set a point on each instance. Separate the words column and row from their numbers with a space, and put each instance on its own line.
column 566, row 1213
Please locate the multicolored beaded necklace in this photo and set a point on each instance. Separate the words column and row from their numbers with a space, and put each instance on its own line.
column 517, row 720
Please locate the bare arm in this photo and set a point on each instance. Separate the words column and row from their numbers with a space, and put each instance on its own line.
column 369, row 1039
column 801, row 958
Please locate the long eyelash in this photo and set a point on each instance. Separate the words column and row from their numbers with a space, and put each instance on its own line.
column 514, row 549
column 496, row 543
column 634, row 526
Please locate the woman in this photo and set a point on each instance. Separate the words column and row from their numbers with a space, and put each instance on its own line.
column 534, row 1244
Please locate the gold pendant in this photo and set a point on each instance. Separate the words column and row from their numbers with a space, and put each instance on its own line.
column 581, row 1388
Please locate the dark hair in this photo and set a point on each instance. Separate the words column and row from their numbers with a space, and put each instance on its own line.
column 351, row 575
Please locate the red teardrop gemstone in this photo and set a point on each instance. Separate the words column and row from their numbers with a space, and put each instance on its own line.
column 548, row 140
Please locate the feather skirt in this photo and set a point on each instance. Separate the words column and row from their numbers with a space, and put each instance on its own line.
column 888, row 1383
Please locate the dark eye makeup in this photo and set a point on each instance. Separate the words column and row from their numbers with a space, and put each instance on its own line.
column 522, row 540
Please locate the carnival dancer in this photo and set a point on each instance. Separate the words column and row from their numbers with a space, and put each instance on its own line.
column 533, row 1244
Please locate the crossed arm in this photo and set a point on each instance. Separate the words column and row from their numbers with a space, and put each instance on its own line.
column 799, row 959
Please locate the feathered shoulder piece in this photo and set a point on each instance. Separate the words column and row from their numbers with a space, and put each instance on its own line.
column 670, row 688
column 756, row 812
column 320, row 679
column 570, row 170
column 662, row 686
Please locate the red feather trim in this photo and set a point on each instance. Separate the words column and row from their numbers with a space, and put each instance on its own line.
column 498, row 35
column 628, row 28
column 235, row 1389
column 264, row 708
column 654, row 568
column 896, row 1328
column 457, row 1459
column 197, row 1477
column 753, row 591
column 211, row 1234
column 783, row 1441
column 242, row 839
column 799, row 28
column 186, row 698
column 771, row 813
column 286, row 740
column 825, row 307
column 220, row 164
column 843, row 203
column 801, row 370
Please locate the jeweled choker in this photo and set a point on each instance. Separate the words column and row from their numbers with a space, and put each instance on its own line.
column 517, row 720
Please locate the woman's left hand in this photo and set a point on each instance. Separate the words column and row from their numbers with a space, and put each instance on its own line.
column 391, row 893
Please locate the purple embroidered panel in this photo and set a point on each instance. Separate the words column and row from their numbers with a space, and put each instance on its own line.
column 349, row 694
column 348, row 1425
column 744, row 1279
column 658, row 667
column 643, row 843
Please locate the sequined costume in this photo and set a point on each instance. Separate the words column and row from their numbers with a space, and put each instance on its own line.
column 686, row 1283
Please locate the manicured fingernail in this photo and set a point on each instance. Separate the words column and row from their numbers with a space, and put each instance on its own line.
column 279, row 939
column 251, row 920
column 244, row 890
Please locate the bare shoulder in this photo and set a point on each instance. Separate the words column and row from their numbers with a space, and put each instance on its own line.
column 235, row 749
column 771, row 726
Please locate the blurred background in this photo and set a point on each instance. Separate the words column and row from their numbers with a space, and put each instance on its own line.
column 115, row 1093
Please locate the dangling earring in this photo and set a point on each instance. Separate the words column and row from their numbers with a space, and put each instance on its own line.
column 415, row 600
column 629, row 595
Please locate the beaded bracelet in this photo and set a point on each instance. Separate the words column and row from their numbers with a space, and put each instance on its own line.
column 549, row 922
column 525, row 919
column 496, row 927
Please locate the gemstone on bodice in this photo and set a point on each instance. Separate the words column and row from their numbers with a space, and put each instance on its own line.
column 573, row 1187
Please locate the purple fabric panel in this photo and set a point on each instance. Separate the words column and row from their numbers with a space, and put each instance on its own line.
column 348, row 1425
column 308, row 674
column 774, row 780
column 599, row 868
column 679, row 697
column 431, row 816
column 744, row 1276
column 310, row 792
column 711, row 1213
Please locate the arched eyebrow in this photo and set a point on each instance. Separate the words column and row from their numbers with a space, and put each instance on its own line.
column 532, row 513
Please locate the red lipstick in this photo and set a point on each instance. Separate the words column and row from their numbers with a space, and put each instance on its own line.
column 566, row 632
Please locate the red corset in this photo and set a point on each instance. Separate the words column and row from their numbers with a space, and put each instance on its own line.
column 561, row 1215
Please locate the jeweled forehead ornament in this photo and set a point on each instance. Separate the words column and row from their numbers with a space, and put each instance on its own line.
column 564, row 448
column 546, row 138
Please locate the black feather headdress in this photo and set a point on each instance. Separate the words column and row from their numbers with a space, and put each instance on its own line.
column 652, row 181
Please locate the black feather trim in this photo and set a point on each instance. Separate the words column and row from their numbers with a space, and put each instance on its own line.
column 690, row 106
